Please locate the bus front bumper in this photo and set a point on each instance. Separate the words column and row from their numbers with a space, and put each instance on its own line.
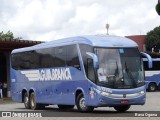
column 118, row 99
column 106, row 101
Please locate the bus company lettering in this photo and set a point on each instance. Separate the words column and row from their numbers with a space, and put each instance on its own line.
column 48, row 74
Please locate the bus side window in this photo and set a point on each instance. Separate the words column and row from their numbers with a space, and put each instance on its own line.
column 45, row 57
column 72, row 57
column 30, row 60
column 88, row 63
column 15, row 61
column 60, row 56
column 145, row 64
column 90, row 70
column 24, row 60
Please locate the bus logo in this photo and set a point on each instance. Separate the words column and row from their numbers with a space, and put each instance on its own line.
column 48, row 74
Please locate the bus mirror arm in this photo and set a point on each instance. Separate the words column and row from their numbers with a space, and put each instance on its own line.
column 149, row 59
column 95, row 59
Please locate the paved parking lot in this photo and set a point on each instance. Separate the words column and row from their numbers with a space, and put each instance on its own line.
column 152, row 104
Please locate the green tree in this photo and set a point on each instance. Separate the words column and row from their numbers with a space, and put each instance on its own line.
column 9, row 34
column 158, row 7
column 153, row 40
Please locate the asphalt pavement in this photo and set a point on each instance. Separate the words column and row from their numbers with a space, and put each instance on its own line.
column 150, row 108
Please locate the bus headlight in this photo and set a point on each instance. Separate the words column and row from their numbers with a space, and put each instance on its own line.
column 105, row 93
column 102, row 92
column 142, row 92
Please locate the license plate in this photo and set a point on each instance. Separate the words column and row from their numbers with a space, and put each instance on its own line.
column 124, row 101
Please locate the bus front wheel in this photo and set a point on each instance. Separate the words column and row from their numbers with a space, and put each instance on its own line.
column 81, row 105
column 26, row 101
column 122, row 108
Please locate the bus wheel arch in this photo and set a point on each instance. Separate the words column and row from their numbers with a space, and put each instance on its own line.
column 23, row 92
column 77, row 93
column 25, row 99
column 30, row 91
column 152, row 87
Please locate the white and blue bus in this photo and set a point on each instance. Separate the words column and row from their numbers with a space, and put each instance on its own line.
column 152, row 74
column 86, row 71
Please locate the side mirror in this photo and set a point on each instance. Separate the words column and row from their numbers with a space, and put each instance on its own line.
column 95, row 59
column 149, row 59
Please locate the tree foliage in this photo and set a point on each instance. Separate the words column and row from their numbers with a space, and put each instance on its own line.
column 9, row 34
column 153, row 40
column 158, row 7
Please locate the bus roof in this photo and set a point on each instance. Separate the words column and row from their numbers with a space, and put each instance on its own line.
column 93, row 40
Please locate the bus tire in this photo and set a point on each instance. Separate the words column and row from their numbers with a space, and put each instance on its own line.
column 65, row 107
column 152, row 87
column 80, row 102
column 122, row 108
column 33, row 104
column 26, row 101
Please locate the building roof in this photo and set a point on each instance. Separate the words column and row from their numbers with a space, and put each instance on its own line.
column 94, row 40
column 7, row 44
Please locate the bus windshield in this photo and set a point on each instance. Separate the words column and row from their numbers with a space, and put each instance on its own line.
column 120, row 68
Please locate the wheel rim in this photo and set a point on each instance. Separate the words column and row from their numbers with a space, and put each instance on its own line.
column 82, row 103
column 26, row 99
column 32, row 101
column 152, row 87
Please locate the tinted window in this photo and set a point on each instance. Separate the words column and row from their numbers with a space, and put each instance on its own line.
column 46, row 58
column 60, row 56
column 29, row 60
column 72, row 56
column 86, row 48
column 129, row 52
column 16, row 63
column 25, row 60
column 155, row 66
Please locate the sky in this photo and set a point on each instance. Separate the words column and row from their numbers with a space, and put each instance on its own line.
column 45, row 20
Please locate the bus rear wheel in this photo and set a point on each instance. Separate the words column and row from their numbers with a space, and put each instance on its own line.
column 26, row 101
column 122, row 108
column 152, row 87
column 81, row 105
column 65, row 107
column 34, row 105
